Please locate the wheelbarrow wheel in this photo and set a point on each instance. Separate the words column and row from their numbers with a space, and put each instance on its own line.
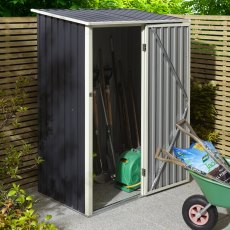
column 192, row 206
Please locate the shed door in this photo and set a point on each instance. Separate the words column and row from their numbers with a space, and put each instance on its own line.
column 168, row 92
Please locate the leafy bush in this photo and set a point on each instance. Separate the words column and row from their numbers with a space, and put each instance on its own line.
column 12, row 106
column 208, row 7
column 156, row 6
column 22, row 7
column 15, row 205
column 203, row 112
column 16, row 211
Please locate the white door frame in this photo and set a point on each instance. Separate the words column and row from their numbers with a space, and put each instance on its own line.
column 144, row 110
column 88, row 121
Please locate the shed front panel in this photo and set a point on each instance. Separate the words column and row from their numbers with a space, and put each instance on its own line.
column 62, row 110
column 167, row 100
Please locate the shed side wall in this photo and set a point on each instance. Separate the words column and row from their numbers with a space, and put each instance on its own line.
column 62, row 110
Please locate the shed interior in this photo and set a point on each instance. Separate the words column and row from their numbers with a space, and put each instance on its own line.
column 116, row 113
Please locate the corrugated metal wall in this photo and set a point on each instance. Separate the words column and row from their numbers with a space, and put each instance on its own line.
column 166, row 99
column 62, row 108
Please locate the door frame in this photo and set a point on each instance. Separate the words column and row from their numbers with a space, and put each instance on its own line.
column 144, row 110
column 88, row 121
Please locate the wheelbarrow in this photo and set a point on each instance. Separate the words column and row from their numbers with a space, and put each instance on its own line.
column 199, row 211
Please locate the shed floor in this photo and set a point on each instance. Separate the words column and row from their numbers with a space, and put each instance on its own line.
column 106, row 194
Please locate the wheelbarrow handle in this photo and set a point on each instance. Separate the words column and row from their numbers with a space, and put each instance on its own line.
column 191, row 131
column 168, row 157
column 181, row 122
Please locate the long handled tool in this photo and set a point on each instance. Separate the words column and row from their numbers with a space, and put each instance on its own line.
column 134, row 109
column 108, row 127
column 125, row 109
column 106, row 107
column 118, row 95
column 103, row 177
column 108, row 75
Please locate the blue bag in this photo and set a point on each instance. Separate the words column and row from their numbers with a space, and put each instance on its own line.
column 197, row 159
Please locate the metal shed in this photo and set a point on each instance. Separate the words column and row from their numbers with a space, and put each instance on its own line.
column 155, row 49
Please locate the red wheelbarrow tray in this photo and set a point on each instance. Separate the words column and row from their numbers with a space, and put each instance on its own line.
column 216, row 193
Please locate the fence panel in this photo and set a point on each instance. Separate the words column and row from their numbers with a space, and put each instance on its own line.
column 18, row 57
column 210, row 61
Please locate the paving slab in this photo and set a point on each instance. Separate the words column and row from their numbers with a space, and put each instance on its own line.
column 161, row 211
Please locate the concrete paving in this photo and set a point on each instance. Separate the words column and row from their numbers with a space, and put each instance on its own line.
column 161, row 211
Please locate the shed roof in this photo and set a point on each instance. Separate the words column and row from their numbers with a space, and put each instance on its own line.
column 102, row 17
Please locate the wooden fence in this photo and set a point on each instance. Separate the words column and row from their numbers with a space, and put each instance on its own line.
column 210, row 61
column 18, row 57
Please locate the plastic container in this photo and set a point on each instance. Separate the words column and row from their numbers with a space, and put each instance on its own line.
column 128, row 170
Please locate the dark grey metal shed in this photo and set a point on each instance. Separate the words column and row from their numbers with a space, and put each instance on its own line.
column 156, row 49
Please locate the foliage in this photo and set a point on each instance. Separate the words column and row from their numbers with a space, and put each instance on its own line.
column 22, row 7
column 208, row 7
column 156, row 6
column 12, row 106
column 203, row 112
column 15, row 206
column 16, row 211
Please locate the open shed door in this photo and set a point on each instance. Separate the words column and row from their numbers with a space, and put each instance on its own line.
column 166, row 90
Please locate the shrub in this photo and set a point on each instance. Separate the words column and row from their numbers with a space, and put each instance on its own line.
column 12, row 106
column 17, row 212
column 16, row 207
column 203, row 112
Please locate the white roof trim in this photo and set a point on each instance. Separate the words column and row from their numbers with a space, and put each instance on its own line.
column 108, row 23
column 60, row 17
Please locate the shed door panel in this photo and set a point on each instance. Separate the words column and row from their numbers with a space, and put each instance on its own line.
column 168, row 86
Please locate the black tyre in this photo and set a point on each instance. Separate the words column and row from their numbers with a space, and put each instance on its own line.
column 193, row 205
